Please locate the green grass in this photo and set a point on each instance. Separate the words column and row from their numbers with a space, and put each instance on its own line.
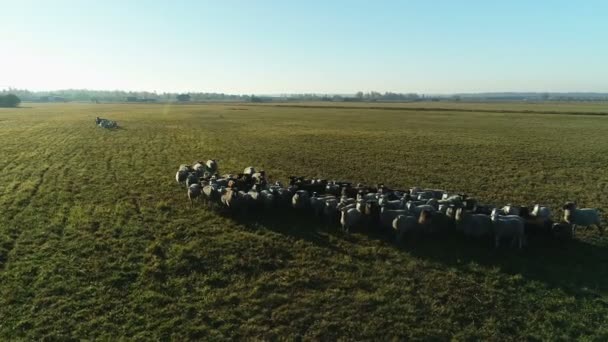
column 98, row 242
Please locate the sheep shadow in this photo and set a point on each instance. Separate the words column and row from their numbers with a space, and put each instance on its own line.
column 577, row 267
column 574, row 266
column 293, row 223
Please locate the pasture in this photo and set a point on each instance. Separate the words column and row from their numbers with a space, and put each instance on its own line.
column 97, row 241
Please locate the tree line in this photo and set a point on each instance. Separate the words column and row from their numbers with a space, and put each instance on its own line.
column 99, row 96
column 9, row 100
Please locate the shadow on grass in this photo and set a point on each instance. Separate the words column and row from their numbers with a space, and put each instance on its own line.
column 291, row 223
column 577, row 267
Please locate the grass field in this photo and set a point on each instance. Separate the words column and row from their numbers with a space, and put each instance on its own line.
column 98, row 242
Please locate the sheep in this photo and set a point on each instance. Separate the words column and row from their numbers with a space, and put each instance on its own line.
column 199, row 168
column 404, row 224
column 508, row 226
column 510, row 209
column 249, row 171
column 211, row 195
column 452, row 200
column 259, row 177
column 211, row 166
column 425, row 195
column 253, row 198
column 330, row 211
column 584, row 217
column 192, row 179
column 535, row 224
column 396, row 204
column 185, row 168
column 372, row 213
column 332, row 188
column 388, row 215
column 540, row 211
column 230, row 198
column 194, row 191
column 267, row 199
column 350, row 218
column 317, row 203
column 433, row 202
column 180, row 176
column 300, row 199
column 416, row 210
column 473, row 225
column 434, row 222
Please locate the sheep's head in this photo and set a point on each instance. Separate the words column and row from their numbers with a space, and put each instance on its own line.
column 570, row 206
column 425, row 217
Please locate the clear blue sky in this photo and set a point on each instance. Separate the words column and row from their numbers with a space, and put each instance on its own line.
column 305, row 46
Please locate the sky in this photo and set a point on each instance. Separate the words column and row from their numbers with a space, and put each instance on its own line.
column 278, row 47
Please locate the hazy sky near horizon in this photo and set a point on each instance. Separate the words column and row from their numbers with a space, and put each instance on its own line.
column 305, row 46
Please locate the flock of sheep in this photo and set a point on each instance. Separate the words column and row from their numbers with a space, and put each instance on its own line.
column 404, row 213
column 105, row 123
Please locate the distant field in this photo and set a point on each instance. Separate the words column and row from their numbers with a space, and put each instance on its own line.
column 97, row 240
column 558, row 107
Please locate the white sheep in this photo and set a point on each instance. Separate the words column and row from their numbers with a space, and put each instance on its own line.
column 350, row 218
column 511, row 226
column 194, row 191
column 584, row 217
column 473, row 225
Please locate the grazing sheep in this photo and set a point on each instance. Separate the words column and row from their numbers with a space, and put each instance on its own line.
column 584, row 217
column 473, row 225
column 508, row 226
column 194, row 191
column 403, row 225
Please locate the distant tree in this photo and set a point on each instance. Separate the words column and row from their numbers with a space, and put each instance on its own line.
column 255, row 99
column 359, row 95
column 456, row 98
column 544, row 96
column 10, row 100
column 183, row 97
